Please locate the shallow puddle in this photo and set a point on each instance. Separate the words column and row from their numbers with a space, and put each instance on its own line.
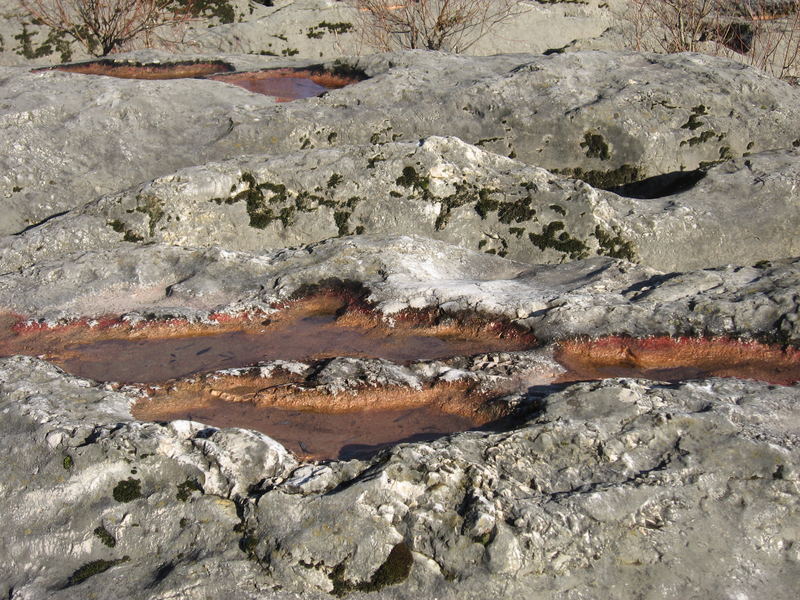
column 310, row 338
column 674, row 360
column 315, row 423
column 321, row 435
column 287, row 84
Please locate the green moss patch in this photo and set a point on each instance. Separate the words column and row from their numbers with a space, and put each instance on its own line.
column 127, row 490
column 186, row 489
column 411, row 179
column 465, row 194
column 604, row 179
column 334, row 180
column 699, row 139
column 316, row 32
column 694, row 121
column 221, row 9
column 103, row 534
column 614, row 245
column 93, row 568
column 153, row 208
column 56, row 41
column 596, row 146
column 554, row 237
column 516, row 212
column 395, row 569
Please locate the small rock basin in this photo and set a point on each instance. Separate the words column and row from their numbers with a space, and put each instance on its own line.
column 209, row 372
column 288, row 84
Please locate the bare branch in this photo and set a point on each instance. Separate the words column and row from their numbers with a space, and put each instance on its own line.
column 762, row 33
column 106, row 26
column 452, row 25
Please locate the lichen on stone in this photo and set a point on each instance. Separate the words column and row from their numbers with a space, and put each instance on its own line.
column 93, row 568
column 127, row 490
column 105, row 536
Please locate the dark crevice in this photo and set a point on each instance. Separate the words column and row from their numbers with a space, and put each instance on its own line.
column 660, row 186
column 42, row 222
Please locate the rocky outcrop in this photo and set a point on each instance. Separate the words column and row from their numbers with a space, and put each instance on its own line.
column 447, row 190
column 602, row 483
column 742, row 211
column 607, row 118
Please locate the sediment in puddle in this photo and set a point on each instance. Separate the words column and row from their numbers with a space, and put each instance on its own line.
column 324, row 324
column 677, row 359
column 151, row 71
column 317, row 424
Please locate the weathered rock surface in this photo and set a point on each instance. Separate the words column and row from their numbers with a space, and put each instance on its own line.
column 187, row 197
column 608, row 118
column 653, row 487
column 591, row 297
column 740, row 212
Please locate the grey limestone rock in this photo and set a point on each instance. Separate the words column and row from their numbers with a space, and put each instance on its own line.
column 741, row 211
column 190, row 197
column 674, row 487
column 608, row 118
column 591, row 297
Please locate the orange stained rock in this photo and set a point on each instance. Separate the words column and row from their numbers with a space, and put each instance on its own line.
column 316, row 424
column 153, row 71
column 676, row 359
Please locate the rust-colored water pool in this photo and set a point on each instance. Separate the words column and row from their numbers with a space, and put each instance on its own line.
column 178, row 364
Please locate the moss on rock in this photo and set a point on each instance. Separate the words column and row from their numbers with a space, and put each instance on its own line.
column 93, row 568
column 103, row 534
column 596, row 146
column 395, row 569
column 549, row 238
column 127, row 490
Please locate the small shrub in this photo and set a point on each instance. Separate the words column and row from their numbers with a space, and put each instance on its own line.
column 762, row 33
column 452, row 25
column 106, row 26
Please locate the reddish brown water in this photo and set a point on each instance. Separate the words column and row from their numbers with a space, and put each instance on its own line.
column 316, row 424
column 286, row 84
column 671, row 359
column 160, row 359
column 321, row 435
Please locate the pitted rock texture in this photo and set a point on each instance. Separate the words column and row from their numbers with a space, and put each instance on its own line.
column 617, row 488
column 682, row 487
column 608, row 118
